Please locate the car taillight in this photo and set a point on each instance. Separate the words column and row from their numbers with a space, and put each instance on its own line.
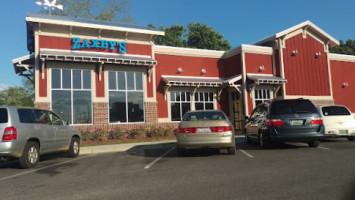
column 274, row 122
column 10, row 133
column 217, row 129
column 317, row 120
column 186, row 130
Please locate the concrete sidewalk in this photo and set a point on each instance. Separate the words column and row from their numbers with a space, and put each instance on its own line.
column 125, row 147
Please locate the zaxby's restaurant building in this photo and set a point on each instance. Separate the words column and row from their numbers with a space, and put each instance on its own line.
column 104, row 75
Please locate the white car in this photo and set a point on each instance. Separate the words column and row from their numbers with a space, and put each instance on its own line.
column 338, row 121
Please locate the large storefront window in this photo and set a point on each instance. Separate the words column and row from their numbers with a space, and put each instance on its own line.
column 180, row 103
column 71, row 95
column 126, row 97
column 204, row 101
column 261, row 96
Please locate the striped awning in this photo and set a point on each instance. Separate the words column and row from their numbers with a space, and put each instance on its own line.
column 266, row 79
column 89, row 56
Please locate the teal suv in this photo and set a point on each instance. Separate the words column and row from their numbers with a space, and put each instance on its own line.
column 295, row 120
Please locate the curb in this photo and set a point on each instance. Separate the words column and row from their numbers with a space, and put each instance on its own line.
column 126, row 147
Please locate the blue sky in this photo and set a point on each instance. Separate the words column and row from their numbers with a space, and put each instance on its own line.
column 241, row 22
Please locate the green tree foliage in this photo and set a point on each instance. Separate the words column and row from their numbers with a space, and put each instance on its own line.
column 196, row 35
column 203, row 37
column 345, row 48
column 107, row 10
column 18, row 96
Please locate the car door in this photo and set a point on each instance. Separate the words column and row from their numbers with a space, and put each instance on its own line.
column 45, row 131
column 62, row 133
column 251, row 125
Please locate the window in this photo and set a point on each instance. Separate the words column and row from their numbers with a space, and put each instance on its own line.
column 126, row 97
column 335, row 110
column 180, row 103
column 3, row 115
column 261, row 96
column 204, row 101
column 71, row 95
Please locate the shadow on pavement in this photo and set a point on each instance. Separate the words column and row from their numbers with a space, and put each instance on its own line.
column 242, row 144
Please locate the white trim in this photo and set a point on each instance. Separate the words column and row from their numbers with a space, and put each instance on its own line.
column 194, row 77
column 246, row 48
column 94, row 26
column 341, row 57
column 330, row 76
column 162, row 120
column 309, row 97
column 189, row 52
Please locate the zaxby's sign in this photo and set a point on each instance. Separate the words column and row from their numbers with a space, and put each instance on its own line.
column 101, row 44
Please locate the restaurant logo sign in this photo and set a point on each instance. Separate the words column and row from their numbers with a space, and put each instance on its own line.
column 100, row 44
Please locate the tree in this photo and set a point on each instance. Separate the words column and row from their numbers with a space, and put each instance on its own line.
column 18, row 96
column 173, row 36
column 203, row 37
column 345, row 48
column 195, row 36
column 107, row 10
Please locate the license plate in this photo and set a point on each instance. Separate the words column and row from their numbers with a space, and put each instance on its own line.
column 204, row 130
column 343, row 132
column 296, row 122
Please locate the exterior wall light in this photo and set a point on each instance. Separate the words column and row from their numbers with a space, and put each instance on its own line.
column 262, row 68
column 318, row 54
column 179, row 70
column 345, row 84
column 203, row 71
column 294, row 52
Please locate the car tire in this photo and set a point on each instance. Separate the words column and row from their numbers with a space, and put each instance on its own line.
column 351, row 138
column 231, row 150
column 314, row 143
column 30, row 155
column 261, row 141
column 181, row 151
column 74, row 148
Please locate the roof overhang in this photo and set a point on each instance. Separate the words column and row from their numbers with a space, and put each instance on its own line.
column 267, row 79
column 24, row 63
column 98, row 57
column 307, row 24
column 197, row 81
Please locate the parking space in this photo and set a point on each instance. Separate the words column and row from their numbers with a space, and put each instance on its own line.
column 285, row 171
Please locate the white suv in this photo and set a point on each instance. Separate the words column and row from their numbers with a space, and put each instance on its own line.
column 27, row 133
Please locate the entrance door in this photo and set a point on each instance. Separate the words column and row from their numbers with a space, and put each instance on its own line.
column 236, row 111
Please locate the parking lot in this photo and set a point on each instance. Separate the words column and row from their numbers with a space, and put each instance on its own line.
column 285, row 171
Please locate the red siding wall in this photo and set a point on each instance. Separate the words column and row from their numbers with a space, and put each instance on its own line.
column 42, row 83
column 191, row 66
column 254, row 61
column 343, row 72
column 100, row 85
column 66, row 44
column 277, row 62
column 305, row 73
column 230, row 66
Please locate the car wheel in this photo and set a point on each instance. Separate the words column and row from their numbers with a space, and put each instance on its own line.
column 181, row 152
column 231, row 150
column 74, row 148
column 261, row 141
column 30, row 155
column 351, row 138
column 313, row 143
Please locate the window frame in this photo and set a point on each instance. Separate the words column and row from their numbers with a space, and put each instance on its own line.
column 126, row 91
column 180, row 102
column 72, row 90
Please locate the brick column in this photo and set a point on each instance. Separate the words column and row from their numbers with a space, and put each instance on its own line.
column 42, row 105
column 100, row 113
column 151, row 112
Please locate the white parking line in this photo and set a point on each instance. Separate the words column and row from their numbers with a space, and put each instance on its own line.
column 246, row 153
column 325, row 148
column 34, row 170
column 156, row 160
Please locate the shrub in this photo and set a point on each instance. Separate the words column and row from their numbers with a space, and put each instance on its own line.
column 116, row 134
column 85, row 135
column 157, row 132
column 137, row 133
column 169, row 131
column 98, row 135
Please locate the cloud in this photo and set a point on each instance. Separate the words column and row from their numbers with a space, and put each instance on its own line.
column 4, row 86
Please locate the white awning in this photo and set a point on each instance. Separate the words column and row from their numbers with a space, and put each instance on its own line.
column 193, row 81
column 266, row 79
column 24, row 63
column 88, row 56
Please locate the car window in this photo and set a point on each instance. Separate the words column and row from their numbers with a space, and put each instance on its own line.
column 292, row 107
column 42, row 117
column 3, row 115
column 255, row 113
column 26, row 115
column 55, row 119
column 335, row 110
column 203, row 116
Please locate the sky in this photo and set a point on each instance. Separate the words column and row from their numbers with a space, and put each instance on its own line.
column 241, row 22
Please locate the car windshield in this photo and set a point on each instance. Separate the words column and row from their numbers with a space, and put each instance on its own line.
column 335, row 110
column 205, row 116
column 292, row 107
